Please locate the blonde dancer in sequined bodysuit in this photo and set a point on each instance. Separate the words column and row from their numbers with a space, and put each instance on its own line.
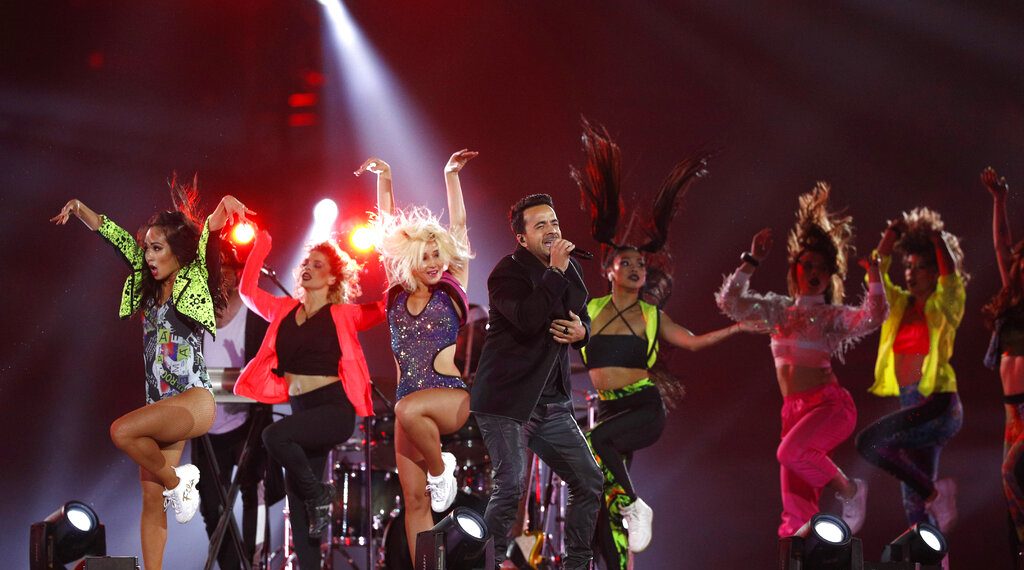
column 428, row 269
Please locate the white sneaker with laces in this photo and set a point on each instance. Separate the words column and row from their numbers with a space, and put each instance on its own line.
column 637, row 520
column 184, row 499
column 855, row 508
column 943, row 506
column 442, row 488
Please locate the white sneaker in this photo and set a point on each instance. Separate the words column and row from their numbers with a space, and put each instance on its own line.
column 184, row 498
column 637, row 520
column 855, row 508
column 943, row 506
column 442, row 488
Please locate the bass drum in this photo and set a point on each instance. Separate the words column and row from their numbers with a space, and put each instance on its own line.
column 396, row 546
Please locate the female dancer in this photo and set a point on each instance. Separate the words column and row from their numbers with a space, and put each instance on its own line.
column 808, row 327
column 310, row 357
column 428, row 266
column 624, row 346
column 1005, row 315
column 175, row 312
column 913, row 363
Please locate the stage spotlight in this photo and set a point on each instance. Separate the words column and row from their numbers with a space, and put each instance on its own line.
column 824, row 543
column 362, row 238
column 324, row 214
column 242, row 234
column 459, row 541
column 69, row 533
column 922, row 543
column 325, row 211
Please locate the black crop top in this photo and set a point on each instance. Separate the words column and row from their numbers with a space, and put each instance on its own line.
column 310, row 349
column 621, row 350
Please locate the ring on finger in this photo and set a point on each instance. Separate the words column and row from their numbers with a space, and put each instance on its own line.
column 565, row 330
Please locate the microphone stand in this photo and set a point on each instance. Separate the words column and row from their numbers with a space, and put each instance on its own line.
column 272, row 275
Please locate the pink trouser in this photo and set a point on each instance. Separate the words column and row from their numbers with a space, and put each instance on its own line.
column 814, row 423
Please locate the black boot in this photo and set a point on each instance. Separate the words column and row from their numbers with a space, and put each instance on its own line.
column 319, row 510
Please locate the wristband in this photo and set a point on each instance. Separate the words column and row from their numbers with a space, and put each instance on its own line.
column 747, row 258
column 556, row 270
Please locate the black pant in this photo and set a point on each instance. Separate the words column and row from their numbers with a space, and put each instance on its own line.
column 552, row 434
column 626, row 425
column 227, row 447
column 320, row 420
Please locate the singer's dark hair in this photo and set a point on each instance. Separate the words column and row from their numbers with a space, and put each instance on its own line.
column 515, row 213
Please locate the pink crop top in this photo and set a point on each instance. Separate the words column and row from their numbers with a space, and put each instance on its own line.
column 805, row 331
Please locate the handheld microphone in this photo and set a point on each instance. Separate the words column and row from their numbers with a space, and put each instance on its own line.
column 581, row 253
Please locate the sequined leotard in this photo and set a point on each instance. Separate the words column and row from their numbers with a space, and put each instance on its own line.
column 417, row 339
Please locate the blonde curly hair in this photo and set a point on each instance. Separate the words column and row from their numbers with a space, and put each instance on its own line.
column 916, row 239
column 403, row 238
column 343, row 268
column 820, row 231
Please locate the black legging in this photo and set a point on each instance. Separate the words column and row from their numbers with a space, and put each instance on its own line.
column 626, row 425
column 907, row 443
column 320, row 420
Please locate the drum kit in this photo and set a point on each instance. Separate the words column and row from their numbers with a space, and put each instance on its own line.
column 381, row 529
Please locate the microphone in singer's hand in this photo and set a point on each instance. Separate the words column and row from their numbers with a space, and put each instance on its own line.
column 581, row 253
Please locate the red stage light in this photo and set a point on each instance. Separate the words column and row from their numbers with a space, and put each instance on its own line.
column 301, row 119
column 301, row 100
column 242, row 234
column 313, row 78
column 362, row 238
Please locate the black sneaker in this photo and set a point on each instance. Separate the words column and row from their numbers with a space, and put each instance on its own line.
column 319, row 511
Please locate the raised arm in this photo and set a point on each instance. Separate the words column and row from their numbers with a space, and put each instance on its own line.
column 91, row 219
column 735, row 298
column 257, row 300
column 457, row 208
column 456, row 205
column 680, row 336
column 891, row 235
column 871, row 313
column 124, row 242
column 943, row 257
column 1001, row 238
column 385, row 191
column 228, row 210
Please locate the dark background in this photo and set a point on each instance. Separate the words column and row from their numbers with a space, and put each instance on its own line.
column 896, row 104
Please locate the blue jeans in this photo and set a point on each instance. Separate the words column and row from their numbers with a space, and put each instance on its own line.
column 552, row 434
column 907, row 443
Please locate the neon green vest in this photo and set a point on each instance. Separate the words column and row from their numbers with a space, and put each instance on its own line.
column 652, row 319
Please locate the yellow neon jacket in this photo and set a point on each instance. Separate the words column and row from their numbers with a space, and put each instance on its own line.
column 943, row 310
column 191, row 293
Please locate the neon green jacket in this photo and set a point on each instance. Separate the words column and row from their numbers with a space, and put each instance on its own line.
column 652, row 319
column 191, row 293
column 943, row 310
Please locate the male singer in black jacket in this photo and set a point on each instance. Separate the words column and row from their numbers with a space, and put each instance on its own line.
column 521, row 394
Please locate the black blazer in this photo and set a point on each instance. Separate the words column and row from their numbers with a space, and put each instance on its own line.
column 519, row 352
